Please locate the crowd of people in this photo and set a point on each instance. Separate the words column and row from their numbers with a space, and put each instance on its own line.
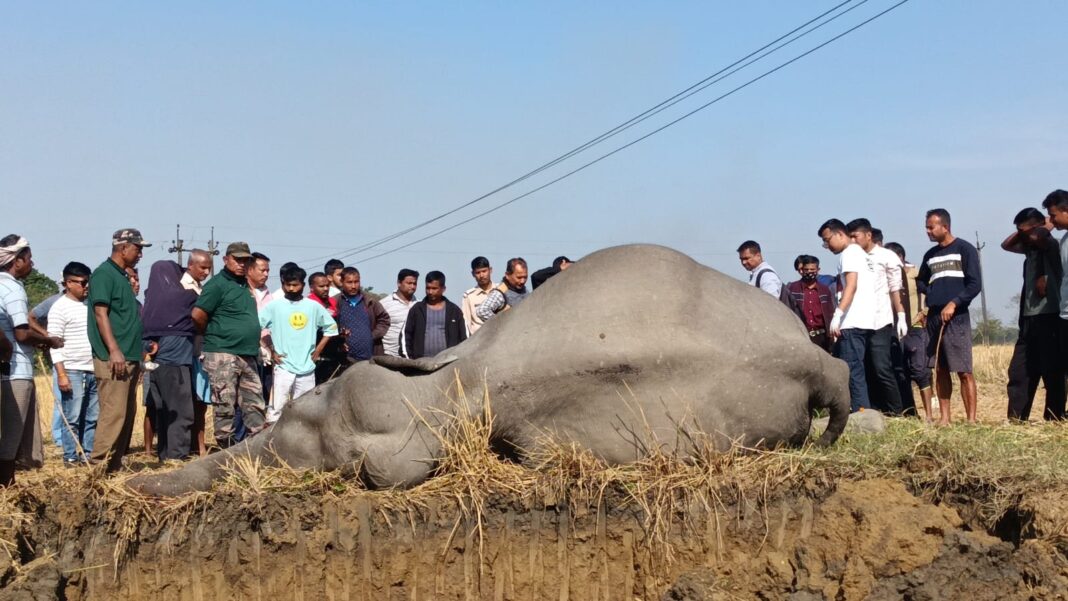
column 230, row 342
column 227, row 341
column 896, row 324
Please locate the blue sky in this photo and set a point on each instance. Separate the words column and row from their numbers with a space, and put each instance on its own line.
column 309, row 128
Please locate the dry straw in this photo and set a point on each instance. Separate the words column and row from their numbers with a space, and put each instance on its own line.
column 993, row 468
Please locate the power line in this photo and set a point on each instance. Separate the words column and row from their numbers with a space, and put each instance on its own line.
column 663, row 105
column 644, row 137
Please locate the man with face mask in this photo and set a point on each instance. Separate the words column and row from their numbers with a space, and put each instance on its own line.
column 294, row 323
column 815, row 300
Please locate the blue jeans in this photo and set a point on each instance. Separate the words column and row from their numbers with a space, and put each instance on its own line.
column 81, row 407
column 57, row 416
column 851, row 348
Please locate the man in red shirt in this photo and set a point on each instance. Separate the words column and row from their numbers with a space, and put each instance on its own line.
column 329, row 363
column 814, row 299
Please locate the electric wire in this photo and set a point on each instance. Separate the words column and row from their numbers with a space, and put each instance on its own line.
column 641, row 138
column 648, row 113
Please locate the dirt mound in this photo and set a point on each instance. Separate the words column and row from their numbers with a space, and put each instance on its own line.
column 875, row 540
column 870, row 539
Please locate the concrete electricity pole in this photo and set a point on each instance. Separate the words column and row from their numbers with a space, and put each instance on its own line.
column 213, row 249
column 178, row 245
column 979, row 246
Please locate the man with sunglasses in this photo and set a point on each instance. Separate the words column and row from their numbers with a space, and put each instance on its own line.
column 73, row 363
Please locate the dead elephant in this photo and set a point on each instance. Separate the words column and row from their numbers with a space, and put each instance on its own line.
column 631, row 344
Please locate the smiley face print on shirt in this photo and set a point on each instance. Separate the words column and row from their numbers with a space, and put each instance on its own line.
column 298, row 321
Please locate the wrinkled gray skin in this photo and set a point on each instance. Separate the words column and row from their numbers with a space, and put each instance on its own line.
column 631, row 344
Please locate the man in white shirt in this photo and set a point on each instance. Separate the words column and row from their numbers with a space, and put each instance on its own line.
column 853, row 323
column 761, row 274
column 883, row 387
column 73, row 363
column 474, row 297
column 397, row 305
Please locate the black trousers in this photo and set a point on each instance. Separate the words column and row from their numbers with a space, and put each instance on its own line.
column 1038, row 356
column 879, row 367
column 172, row 395
column 901, row 374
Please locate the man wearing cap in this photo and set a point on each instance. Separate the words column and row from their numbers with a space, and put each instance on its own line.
column 115, row 336
column 226, row 313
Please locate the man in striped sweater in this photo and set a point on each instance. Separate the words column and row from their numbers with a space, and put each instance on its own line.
column 78, row 401
column 950, row 277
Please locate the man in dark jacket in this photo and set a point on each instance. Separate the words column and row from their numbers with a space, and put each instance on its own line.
column 814, row 300
column 541, row 276
column 434, row 323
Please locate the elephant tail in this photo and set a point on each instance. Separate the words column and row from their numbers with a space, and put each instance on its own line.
column 832, row 393
column 199, row 474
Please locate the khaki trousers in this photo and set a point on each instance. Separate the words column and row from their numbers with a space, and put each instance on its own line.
column 118, row 407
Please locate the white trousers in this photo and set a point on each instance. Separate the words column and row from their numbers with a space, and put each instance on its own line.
column 287, row 387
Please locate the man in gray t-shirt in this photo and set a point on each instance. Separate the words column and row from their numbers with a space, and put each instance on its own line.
column 1037, row 356
column 434, row 323
column 39, row 322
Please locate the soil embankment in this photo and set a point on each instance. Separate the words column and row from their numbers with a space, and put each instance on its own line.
column 867, row 539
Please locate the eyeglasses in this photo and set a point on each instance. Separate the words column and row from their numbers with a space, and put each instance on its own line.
column 79, row 282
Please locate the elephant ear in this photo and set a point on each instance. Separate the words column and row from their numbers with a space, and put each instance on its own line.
column 424, row 365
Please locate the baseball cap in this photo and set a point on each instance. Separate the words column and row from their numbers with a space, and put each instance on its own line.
column 239, row 250
column 128, row 235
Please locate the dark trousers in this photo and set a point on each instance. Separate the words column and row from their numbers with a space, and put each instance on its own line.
column 879, row 368
column 331, row 362
column 1037, row 357
column 915, row 347
column 823, row 341
column 172, row 396
column 852, row 348
column 901, row 374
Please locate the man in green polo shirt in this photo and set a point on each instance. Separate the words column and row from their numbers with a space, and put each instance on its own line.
column 115, row 335
column 226, row 314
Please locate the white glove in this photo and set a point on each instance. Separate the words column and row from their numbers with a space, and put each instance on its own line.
column 902, row 326
column 836, row 323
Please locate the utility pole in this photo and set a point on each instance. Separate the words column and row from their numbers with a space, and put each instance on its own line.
column 213, row 249
column 177, row 243
column 979, row 246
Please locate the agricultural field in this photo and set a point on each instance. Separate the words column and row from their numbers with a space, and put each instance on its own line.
column 917, row 512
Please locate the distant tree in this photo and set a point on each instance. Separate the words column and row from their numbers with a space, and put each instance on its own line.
column 992, row 331
column 1014, row 302
column 369, row 292
column 39, row 287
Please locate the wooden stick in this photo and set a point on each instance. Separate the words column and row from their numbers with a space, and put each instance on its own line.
column 77, row 443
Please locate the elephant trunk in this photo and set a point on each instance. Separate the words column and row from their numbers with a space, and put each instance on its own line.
column 199, row 474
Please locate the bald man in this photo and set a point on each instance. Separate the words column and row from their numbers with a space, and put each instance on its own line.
column 197, row 270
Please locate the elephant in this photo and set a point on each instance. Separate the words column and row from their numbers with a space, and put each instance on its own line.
column 632, row 343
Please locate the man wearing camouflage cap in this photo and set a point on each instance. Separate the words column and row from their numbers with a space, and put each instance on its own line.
column 115, row 336
column 226, row 314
